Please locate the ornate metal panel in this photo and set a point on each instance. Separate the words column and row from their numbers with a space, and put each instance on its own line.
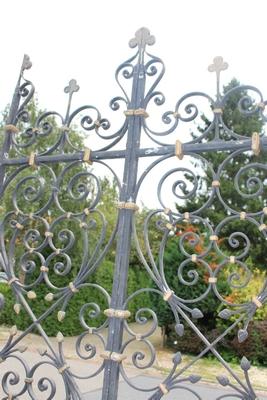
column 41, row 233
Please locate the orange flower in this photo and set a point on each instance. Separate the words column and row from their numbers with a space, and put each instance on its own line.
column 213, row 265
column 199, row 248
column 206, row 277
column 230, row 298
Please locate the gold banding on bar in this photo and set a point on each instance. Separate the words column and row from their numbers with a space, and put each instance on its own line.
column 73, row 288
column 186, row 216
column 65, row 128
column 213, row 238
column 12, row 280
column 256, row 143
column 215, row 183
column 194, row 258
column 256, row 301
column 121, row 314
column 49, row 234
column 113, row 356
column 28, row 380
column 218, row 110
column 170, row 227
column 31, row 161
column 63, row 368
column 167, row 295
column 163, row 388
column 179, row 149
column 262, row 227
column 87, row 156
column 139, row 112
column 11, row 128
column 212, row 279
column 19, row 226
column 128, row 205
column 43, row 268
column 243, row 215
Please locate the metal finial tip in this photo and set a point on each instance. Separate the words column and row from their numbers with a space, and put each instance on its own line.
column 218, row 65
column 142, row 38
column 26, row 63
column 72, row 87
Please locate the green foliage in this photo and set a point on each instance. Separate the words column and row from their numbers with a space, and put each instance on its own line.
column 70, row 201
column 71, row 324
column 211, row 325
column 245, row 126
column 244, row 295
column 254, row 348
column 185, row 288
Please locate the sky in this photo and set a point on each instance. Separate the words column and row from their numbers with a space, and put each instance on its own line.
column 87, row 40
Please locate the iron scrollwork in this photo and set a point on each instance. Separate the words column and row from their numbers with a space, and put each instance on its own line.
column 41, row 166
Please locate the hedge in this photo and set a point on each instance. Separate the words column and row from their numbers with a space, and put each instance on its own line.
column 71, row 324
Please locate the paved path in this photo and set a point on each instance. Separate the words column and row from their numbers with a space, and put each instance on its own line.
column 92, row 388
column 206, row 392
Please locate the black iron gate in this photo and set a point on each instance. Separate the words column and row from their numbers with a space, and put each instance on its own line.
column 39, row 229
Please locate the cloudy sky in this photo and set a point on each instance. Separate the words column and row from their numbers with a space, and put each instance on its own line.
column 87, row 40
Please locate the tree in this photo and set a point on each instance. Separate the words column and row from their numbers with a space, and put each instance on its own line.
column 248, row 181
column 30, row 196
column 79, row 188
column 215, row 213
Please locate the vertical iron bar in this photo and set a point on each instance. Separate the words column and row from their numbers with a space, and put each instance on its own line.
column 119, row 290
column 10, row 120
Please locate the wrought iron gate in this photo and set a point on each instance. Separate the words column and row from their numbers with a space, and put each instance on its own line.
column 37, row 222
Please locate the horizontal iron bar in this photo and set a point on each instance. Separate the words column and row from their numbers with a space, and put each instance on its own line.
column 217, row 145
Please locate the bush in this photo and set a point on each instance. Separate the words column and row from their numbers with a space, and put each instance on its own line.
column 71, row 324
column 190, row 342
column 254, row 347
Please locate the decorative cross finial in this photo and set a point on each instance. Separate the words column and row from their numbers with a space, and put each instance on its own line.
column 72, row 87
column 26, row 63
column 142, row 38
column 218, row 66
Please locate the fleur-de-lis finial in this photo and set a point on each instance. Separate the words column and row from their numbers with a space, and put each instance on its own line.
column 72, row 87
column 142, row 38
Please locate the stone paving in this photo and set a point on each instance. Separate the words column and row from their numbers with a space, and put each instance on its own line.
column 92, row 388
column 206, row 392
